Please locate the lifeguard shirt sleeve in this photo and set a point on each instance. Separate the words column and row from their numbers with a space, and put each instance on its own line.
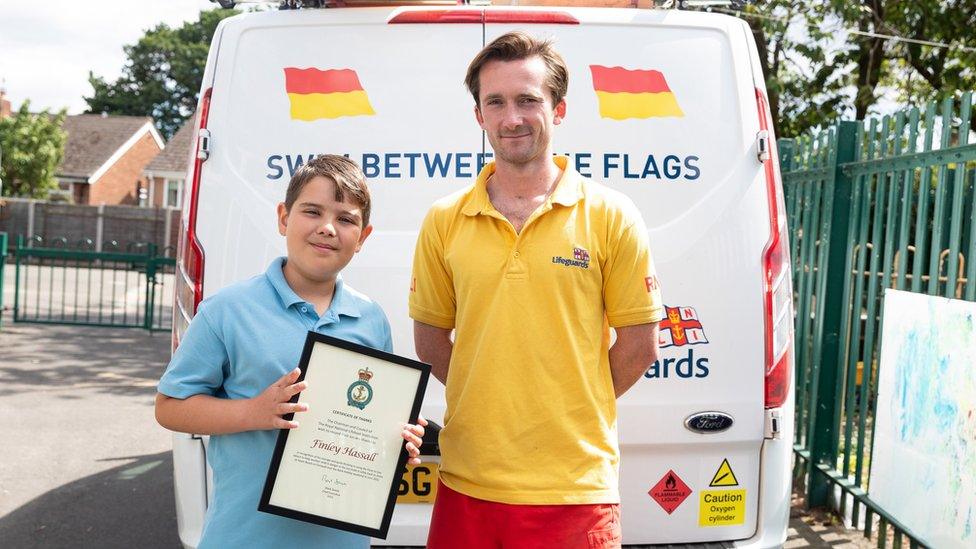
column 432, row 299
column 197, row 367
column 631, row 291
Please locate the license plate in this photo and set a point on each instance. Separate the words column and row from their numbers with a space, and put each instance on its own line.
column 418, row 484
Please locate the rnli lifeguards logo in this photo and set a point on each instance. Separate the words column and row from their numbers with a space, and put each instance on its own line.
column 360, row 393
column 581, row 259
column 681, row 327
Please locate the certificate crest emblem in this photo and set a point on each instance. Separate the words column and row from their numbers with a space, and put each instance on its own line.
column 360, row 392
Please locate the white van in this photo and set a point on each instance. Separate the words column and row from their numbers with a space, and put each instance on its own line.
column 706, row 435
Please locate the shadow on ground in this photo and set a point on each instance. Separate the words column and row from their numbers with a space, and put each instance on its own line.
column 120, row 361
column 130, row 505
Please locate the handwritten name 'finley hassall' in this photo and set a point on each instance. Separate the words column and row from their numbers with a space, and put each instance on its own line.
column 335, row 449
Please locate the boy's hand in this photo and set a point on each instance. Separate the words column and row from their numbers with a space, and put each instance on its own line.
column 265, row 410
column 414, row 434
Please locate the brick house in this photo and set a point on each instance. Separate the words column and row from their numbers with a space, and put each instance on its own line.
column 166, row 174
column 104, row 158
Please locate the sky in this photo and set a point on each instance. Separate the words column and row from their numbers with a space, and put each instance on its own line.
column 47, row 47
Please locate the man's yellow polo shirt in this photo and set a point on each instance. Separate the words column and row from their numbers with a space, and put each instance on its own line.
column 531, row 413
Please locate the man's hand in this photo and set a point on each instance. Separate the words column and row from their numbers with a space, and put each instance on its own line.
column 266, row 409
column 414, row 435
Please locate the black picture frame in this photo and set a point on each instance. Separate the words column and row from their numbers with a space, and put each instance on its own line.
column 312, row 340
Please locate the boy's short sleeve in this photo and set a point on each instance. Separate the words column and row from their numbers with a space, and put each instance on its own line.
column 197, row 367
column 387, row 334
column 432, row 298
column 630, row 287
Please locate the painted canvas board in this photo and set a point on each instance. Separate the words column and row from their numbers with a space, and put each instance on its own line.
column 924, row 455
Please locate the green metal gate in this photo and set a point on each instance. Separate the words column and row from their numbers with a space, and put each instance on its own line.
column 3, row 262
column 57, row 285
column 878, row 204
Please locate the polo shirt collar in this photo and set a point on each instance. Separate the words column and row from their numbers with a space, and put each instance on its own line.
column 567, row 193
column 342, row 302
column 569, row 189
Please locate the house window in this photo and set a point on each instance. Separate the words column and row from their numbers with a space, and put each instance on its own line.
column 174, row 193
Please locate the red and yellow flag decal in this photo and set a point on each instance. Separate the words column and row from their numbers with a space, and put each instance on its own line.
column 638, row 93
column 315, row 93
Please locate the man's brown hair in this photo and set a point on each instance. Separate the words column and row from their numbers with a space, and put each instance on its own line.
column 346, row 174
column 515, row 46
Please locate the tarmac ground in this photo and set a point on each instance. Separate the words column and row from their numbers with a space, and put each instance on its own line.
column 84, row 463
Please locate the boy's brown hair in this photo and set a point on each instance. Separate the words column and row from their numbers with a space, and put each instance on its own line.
column 348, row 177
column 515, row 46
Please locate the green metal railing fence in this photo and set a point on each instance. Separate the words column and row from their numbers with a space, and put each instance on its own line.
column 56, row 284
column 878, row 204
column 3, row 261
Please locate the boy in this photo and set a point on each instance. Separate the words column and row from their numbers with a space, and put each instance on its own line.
column 235, row 369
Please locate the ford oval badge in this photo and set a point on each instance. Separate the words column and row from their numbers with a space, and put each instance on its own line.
column 708, row 422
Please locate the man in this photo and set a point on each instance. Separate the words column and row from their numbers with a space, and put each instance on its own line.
column 530, row 267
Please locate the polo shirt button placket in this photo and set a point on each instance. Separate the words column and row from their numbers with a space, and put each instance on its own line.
column 516, row 268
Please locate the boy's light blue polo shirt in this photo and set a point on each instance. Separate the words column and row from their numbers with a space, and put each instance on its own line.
column 242, row 340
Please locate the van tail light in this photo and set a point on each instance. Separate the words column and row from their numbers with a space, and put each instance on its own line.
column 777, row 284
column 189, row 262
column 484, row 16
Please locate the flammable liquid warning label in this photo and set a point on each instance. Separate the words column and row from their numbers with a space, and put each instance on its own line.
column 669, row 492
column 721, row 507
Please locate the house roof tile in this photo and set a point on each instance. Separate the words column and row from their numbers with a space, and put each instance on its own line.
column 173, row 157
column 93, row 139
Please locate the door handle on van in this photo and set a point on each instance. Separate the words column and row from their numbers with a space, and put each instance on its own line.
column 762, row 145
column 774, row 424
column 203, row 144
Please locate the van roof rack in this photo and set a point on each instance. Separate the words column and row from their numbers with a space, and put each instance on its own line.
column 664, row 4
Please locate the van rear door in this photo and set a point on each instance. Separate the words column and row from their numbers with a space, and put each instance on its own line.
column 688, row 160
column 662, row 107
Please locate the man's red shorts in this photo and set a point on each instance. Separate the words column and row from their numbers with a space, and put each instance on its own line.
column 463, row 522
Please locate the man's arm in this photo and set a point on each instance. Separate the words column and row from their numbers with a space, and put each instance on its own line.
column 434, row 346
column 632, row 354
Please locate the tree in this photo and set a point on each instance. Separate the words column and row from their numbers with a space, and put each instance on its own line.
column 824, row 61
column 912, row 50
column 921, row 72
column 33, row 146
column 162, row 74
column 798, row 65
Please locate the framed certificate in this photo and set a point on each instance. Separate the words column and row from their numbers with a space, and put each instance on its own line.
column 341, row 466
